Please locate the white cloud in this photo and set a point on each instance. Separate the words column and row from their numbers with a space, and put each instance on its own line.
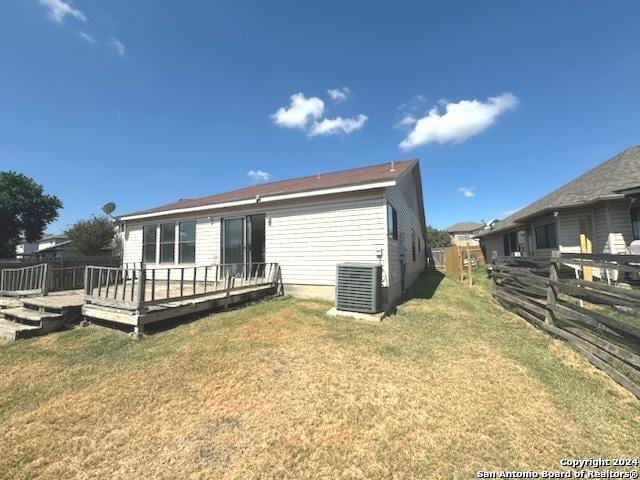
column 119, row 47
column 301, row 110
column 85, row 36
column 258, row 175
column 339, row 94
column 330, row 126
column 468, row 192
column 59, row 9
column 406, row 121
column 307, row 114
column 459, row 121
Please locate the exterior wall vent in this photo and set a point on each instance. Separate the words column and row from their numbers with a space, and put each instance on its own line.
column 359, row 287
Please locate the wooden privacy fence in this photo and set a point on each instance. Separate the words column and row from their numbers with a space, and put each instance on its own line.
column 599, row 320
column 141, row 287
column 458, row 261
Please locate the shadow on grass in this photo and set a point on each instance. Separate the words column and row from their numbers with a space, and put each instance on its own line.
column 425, row 286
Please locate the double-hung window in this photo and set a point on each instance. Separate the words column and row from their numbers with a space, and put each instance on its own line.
column 167, row 242
column 392, row 222
column 149, row 243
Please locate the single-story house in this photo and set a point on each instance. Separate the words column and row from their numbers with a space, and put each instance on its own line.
column 598, row 211
column 307, row 225
column 462, row 233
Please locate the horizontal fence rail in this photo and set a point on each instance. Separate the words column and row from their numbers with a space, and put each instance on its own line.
column 24, row 281
column 137, row 287
column 572, row 296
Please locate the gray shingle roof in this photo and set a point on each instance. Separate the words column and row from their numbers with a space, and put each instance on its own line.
column 469, row 226
column 600, row 183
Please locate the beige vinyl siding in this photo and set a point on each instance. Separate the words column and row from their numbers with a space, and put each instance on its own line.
column 132, row 244
column 207, row 241
column 309, row 239
column 306, row 237
column 493, row 243
column 621, row 233
column 569, row 229
column 404, row 198
column 601, row 229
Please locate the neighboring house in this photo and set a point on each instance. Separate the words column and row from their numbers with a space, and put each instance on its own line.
column 307, row 225
column 49, row 246
column 600, row 208
column 462, row 234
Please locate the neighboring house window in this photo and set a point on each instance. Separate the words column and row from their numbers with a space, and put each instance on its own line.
column 464, row 237
column 167, row 242
column 392, row 222
column 419, row 242
column 413, row 245
column 187, row 242
column 510, row 241
column 635, row 223
column 149, row 243
column 546, row 236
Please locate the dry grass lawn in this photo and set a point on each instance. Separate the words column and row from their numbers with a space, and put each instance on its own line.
column 449, row 385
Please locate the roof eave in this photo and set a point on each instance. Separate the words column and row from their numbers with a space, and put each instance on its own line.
column 265, row 199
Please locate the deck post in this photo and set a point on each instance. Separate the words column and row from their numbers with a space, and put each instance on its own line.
column 142, row 285
column 47, row 280
column 228, row 288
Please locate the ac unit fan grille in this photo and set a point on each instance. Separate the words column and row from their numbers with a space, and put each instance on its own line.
column 359, row 288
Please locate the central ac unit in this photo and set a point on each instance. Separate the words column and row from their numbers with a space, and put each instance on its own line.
column 359, row 287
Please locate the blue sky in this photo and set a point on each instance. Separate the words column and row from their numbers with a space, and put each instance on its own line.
column 146, row 102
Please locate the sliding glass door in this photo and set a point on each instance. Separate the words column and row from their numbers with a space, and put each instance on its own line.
column 233, row 240
column 243, row 241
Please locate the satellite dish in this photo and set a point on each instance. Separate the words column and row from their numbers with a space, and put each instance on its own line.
column 108, row 208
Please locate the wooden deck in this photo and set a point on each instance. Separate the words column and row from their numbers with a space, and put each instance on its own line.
column 140, row 296
column 177, row 308
column 134, row 296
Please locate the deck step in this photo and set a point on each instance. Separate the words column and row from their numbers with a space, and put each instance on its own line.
column 11, row 330
column 54, row 303
column 29, row 316
column 7, row 302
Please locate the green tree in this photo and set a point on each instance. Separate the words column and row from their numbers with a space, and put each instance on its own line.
column 93, row 236
column 25, row 211
column 437, row 238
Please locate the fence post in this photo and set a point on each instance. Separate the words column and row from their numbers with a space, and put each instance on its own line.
column 552, row 293
column 142, row 286
column 469, row 265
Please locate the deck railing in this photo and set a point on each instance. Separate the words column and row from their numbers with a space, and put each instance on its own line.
column 66, row 278
column 139, row 287
column 24, row 281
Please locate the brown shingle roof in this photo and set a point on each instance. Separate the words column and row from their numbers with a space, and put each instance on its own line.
column 343, row 178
